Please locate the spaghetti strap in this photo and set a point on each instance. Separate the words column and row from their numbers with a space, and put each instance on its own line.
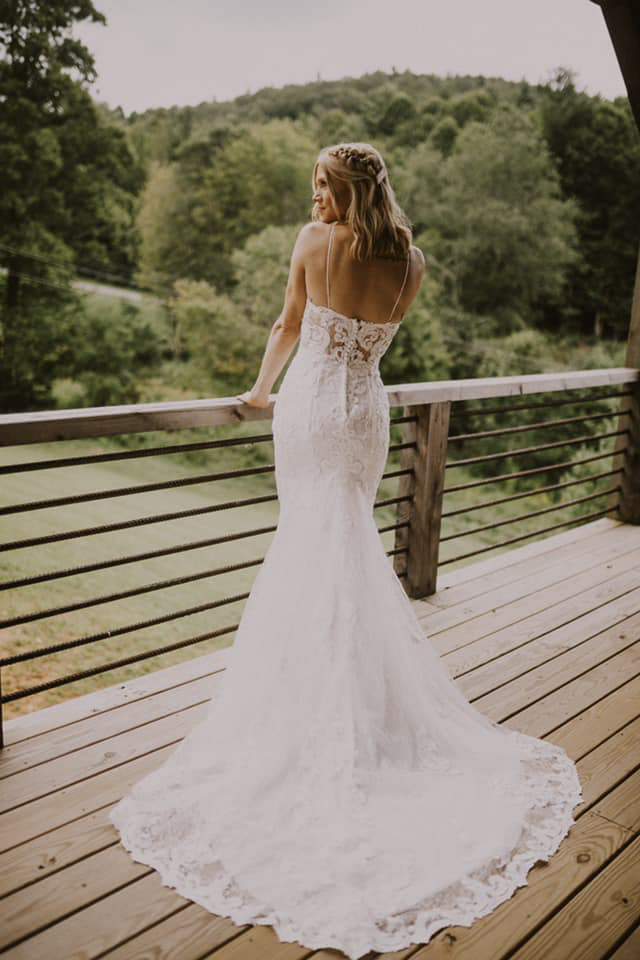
column 328, row 257
column 406, row 274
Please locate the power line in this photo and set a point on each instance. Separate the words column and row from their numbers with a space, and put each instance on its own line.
column 46, row 283
column 477, row 345
column 76, row 265
column 77, row 285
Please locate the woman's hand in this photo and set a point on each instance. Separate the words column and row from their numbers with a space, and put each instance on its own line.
column 252, row 400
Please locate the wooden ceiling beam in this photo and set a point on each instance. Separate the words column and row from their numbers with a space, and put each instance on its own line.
column 622, row 18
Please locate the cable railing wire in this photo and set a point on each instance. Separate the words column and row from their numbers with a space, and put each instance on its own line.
column 128, row 592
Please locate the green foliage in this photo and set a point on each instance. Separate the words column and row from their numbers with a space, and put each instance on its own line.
column 220, row 191
column 472, row 105
column 589, row 287
column 219, row 344
column 337, row 126
column 110, row 348
column 522, row 197
column 499, row 221
column 444, row 134
column 419, row 352
column 35, row 346
column 261, row 269
column 399, row 112
column 69, row 185
column 597, row 149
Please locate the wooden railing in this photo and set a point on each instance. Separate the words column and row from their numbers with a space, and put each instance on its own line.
column 435, row 420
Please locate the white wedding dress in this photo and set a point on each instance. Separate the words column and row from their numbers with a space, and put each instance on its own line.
column 340, row 786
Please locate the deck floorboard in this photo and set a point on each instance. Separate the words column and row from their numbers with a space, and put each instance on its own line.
column 544, row 638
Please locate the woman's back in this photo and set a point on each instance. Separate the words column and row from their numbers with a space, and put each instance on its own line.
column 376, row 291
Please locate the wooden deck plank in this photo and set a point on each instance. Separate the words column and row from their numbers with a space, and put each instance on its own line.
column 520, row 575
column 188, row 934
column 602, row 719
column 18, row 757
column 576, row 695
column 608, row 764
column 625, row 797
column 64, row 771
column 595, row 919
column 599, row 771
column 88, row 706
column 601, row 626
column 94, row 929
column 42, row 722
column 50, row 851
column 589, row 845
column 89, row 879
column 551, row 673
column 54, row 850
column 630, row 948
column 83, row 766
column 490, row 636
column 56, row 809
column 560, row 578
column 571, row 675
column 261, row 942
column 483, row 568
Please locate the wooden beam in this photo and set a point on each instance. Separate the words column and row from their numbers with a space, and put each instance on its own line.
column 622, row 18
column 51, row 425
column 429, row 431
column 627, row 446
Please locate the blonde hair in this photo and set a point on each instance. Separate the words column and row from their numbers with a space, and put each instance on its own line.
column 380, row 226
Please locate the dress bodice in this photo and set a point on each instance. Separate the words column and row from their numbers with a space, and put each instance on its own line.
column 334, row 337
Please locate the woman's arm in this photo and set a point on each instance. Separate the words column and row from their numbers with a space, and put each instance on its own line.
column 285, row 331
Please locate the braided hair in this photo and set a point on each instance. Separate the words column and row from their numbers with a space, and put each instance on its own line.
column 380, row 226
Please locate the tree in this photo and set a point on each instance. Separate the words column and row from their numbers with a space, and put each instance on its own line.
column 110, row 345
column 419, row 352
column 597, row 150
column 222, row 189
column 500, row 222
column 69, row 183
column 261, row 269
column 222, row 348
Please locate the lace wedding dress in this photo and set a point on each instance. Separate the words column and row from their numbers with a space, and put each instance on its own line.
column 340, row 786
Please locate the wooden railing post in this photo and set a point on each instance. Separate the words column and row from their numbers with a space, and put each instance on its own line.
column 627, row 499
column 424, row 485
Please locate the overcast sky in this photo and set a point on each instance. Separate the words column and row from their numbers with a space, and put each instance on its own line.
column 157, row 53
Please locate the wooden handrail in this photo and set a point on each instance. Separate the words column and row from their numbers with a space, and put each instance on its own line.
column 49, row 425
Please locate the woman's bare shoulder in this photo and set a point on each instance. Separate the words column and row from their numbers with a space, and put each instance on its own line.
column 418, row 255
column 313, row 229
column 311, row 235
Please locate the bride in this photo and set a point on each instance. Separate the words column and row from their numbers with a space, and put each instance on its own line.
column 340, row 787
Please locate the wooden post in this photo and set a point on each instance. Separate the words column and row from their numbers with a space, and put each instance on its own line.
column 628, row 498
column 424, row 485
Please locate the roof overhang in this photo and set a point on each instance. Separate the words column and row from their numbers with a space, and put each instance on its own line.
column 623, row 22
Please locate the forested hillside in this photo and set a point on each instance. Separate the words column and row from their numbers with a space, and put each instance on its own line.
column 524, row 199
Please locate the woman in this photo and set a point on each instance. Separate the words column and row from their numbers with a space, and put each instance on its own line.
column 340, row 787
column 362, row 205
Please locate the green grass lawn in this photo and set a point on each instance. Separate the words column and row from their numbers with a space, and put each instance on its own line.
column 43, row 484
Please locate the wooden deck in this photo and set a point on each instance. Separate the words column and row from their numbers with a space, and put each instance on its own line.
column 545, row 638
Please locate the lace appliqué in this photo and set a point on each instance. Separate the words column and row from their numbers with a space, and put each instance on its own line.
column 345, row 339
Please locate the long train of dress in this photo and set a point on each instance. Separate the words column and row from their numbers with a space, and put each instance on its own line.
column 340, row 786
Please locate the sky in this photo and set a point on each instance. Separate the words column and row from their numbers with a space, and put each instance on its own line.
column 161, row 53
